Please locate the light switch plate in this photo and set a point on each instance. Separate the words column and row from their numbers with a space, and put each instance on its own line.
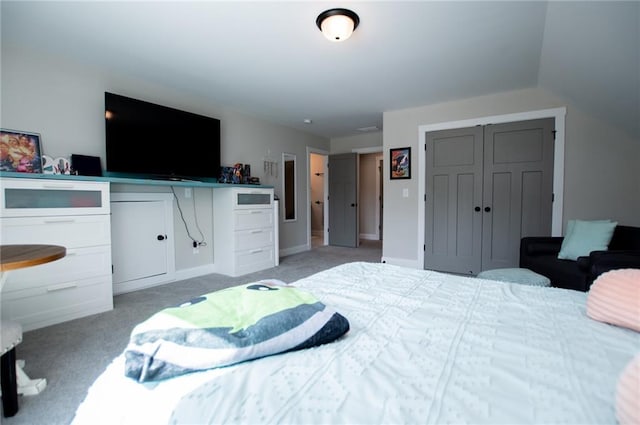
column 405, row 193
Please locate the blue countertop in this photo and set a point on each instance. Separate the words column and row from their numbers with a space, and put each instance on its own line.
column 120, row 179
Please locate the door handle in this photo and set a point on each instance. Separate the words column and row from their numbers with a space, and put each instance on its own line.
column 477, row 209
column 353, row 205
column 162, row 237
column 487, row 209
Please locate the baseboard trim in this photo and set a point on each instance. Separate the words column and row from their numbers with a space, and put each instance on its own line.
column 149, row 282
column 403, row 262
column 195, row 272
column 294, row 250
column 369, row 236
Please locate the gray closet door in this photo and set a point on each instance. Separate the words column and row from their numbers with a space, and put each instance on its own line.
column 487, row 187
column 518, row 186
column 343, row 200
column 454, row 196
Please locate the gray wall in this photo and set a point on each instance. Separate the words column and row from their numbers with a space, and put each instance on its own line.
column 601, row 178
column 64, row 102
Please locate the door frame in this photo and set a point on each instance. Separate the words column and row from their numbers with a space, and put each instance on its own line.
column 379, row 181
column 312, row 150
column 558, row 162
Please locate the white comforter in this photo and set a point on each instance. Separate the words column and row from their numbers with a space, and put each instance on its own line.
column 424, row 347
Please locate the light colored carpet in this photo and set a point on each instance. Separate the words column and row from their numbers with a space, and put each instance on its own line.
column 71, row 355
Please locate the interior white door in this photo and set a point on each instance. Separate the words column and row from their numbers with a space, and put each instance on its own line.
column 138, row 239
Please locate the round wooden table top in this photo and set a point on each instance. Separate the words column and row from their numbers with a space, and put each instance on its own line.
column 14, row 257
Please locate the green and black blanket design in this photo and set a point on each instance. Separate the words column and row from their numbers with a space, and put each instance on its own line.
column 229, row 326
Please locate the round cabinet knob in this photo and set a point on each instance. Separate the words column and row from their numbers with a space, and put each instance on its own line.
column 487, row 209
column 161, row 237
column 477, row 209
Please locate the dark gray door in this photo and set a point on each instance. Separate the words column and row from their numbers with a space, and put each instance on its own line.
column 518, row 186
column 487, row 187
column 453, row 228
column 343, row 198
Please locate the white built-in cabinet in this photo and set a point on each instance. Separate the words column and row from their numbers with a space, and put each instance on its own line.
column 143, row 251
column 74, row 214
column 244, row 230
column 116, row 242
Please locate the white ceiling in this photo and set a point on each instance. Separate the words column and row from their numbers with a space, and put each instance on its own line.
column 269, row 59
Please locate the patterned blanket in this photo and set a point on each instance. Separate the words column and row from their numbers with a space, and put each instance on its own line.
column 229, row 326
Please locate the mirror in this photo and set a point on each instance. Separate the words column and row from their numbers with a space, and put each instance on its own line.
column 289, row 186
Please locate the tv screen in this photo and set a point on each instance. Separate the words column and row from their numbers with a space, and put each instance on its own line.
column 156, row 141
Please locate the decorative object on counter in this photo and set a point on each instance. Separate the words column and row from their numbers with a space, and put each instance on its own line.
column 237, row 173
column 47, row 165
column 226, row 175
column 85, row 165
column 20, row 151
column 61, row 165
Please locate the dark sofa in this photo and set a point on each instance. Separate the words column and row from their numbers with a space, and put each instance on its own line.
column 540, row 254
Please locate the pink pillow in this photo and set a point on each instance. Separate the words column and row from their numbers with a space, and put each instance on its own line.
column 614, row 298
column 628, row 394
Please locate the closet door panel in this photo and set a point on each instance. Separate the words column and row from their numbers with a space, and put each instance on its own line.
column 454, row 190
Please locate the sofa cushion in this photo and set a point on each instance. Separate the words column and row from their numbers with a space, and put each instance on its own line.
column 586, row 236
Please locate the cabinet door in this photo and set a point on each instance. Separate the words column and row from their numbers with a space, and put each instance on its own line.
column 138, row 239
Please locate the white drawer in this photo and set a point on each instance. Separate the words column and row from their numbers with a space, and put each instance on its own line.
column 253, row 219
column 35, row 308
column 253, row 238
column 249, row 259
column 79, row 264
column 256, row 255
column 252, row 199
column 41, row 197
column 68, row 231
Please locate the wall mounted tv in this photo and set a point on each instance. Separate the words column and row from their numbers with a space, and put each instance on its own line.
column 153, row 141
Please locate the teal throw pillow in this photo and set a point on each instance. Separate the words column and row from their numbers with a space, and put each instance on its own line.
column 585, row 236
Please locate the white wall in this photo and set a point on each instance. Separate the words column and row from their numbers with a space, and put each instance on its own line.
column 601, row 164
column 64, row 102
column 358, row 141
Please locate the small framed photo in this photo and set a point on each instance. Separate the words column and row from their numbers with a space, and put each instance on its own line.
column 400, row 160
column 20, row 151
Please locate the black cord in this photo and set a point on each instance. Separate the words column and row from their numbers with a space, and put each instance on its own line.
column 195, row 217
column 196, row 243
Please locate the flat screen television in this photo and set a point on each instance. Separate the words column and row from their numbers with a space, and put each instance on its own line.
column 153, row 141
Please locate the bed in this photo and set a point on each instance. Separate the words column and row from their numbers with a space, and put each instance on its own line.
column 423, row 347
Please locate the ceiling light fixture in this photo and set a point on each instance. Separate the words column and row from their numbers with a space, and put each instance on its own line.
column 337, row 24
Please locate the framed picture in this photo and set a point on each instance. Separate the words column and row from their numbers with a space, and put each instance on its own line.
column 20, row 151
column 400, row 163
